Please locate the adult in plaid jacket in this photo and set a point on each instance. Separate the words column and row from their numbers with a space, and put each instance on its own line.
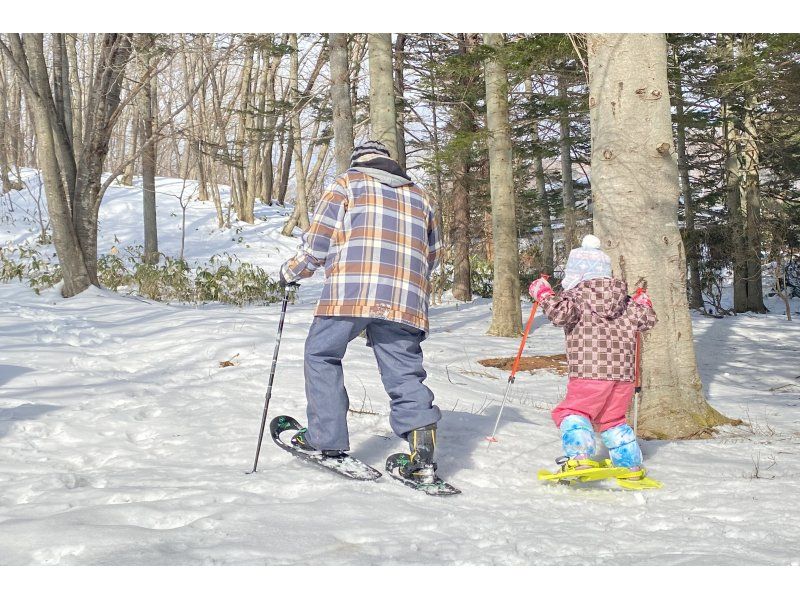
column 601, row 323
column 375, row 234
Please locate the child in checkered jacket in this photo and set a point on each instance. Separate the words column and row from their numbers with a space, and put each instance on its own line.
column 601, row 323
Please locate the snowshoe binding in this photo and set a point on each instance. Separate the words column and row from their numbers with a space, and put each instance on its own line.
column 418, row 468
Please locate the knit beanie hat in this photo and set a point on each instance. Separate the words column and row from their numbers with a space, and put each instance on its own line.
column 590, row 242
column 368, row 150
column 586, row 263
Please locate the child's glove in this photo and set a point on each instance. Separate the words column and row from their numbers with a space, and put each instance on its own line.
column 640, row 297
column 540, row 289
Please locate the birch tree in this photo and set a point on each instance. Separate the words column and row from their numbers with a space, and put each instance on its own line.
column 506, row 311
column 635, row 180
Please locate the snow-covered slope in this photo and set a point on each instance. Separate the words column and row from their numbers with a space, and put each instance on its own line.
column 123, row 441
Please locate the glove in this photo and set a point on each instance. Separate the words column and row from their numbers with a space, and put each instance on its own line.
column 282, row 279
column 640, row 297
column 540, row 289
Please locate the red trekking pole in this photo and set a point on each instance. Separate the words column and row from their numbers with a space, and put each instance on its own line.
column 514, row 367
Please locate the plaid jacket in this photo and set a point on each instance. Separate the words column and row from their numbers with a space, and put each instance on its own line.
column 378, row 243
column 600, row 322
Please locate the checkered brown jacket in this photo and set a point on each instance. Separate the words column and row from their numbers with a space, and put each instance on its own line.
column 378, row 245
column 600, row 322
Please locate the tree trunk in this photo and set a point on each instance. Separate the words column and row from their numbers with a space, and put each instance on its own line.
column 692, row 253
column 399, row 93
column 130, row 169
column 77, row 95
column 340, row 98
column 750, row 193
column 733, row 197
column 148, row 109
column 506, row 311
column 300, row 215
column 35, row 81
column 270, row 128
column 286, row 165
column 16, row 148
column 459, row 223
column 247, row 144
column 73, row 187
column 635, row 188
column 544, row 207
column 382, row 114
column 102, row 114
column 568, row 192
column 5, row 181
column 541, row 193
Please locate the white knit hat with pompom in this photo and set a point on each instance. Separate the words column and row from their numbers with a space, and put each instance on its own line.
column 586, row 262
column 590, row 242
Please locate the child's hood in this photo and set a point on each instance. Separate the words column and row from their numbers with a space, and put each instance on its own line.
column 607, row 297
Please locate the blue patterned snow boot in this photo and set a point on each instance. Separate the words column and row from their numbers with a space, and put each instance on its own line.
column 577, row 437
column 622, row 446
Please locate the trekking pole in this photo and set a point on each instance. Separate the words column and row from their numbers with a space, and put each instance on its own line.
column 637, row 384
column 514, row 367
column 272, row 371
column 637, row 389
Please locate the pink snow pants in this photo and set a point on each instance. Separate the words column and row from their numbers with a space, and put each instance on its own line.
column 603, row 402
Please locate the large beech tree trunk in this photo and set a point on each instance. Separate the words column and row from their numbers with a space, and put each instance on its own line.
column 382, row 114
column 506, row 310
column 635, row 187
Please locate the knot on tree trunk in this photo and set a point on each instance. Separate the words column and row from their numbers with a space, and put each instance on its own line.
column 654, row 94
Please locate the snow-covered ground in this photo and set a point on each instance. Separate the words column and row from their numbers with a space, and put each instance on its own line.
column 123, row 441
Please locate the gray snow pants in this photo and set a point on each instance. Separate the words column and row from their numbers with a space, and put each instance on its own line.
column 399, row 356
